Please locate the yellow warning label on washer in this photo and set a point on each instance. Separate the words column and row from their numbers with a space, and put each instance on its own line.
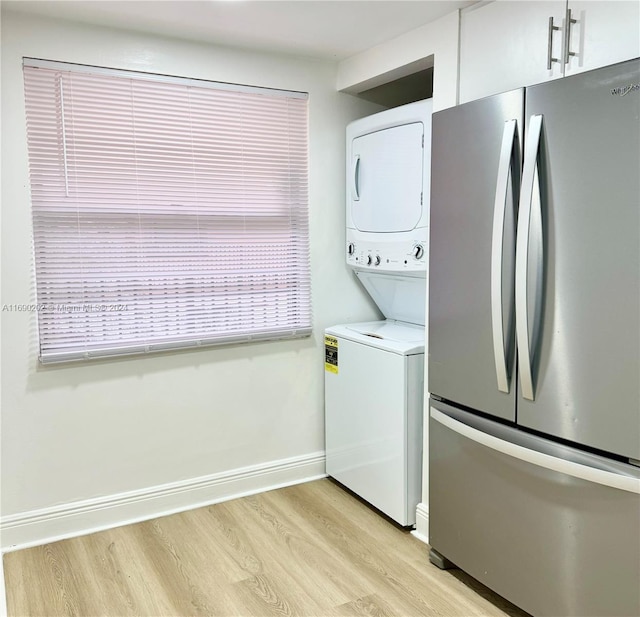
column 331, row 354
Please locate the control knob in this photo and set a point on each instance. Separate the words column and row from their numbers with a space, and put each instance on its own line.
column 369, row 260
column 418, row 251
column 351, row 248
column 377, row 260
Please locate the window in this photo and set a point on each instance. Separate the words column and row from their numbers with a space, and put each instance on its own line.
column 167, row 212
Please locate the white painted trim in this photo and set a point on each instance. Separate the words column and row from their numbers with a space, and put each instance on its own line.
column 78, row 518
column 422, row 523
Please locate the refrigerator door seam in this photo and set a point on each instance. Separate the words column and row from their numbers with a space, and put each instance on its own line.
column 529, row 177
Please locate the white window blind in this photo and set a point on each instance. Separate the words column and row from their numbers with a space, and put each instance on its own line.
column 167, row 213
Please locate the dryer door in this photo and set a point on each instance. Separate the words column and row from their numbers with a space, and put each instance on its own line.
column 386, row 182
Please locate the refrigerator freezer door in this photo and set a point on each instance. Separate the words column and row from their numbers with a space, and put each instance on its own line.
column 468, row 181
column 586, row 353
column 550, row 528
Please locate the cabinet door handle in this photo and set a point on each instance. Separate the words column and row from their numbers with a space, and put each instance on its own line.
column 567, row 37
column 550, row 58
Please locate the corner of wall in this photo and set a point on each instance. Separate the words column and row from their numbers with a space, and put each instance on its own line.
column 434, row 44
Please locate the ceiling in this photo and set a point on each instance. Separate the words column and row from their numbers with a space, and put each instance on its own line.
column 329, row 29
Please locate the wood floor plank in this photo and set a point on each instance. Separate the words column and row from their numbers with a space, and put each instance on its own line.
column 367, row 606
column 261, row 595
column 311, row 550
column 188, row 575
column 320, row 571
column 204, row 530
column 266, row 560
column 122, row 576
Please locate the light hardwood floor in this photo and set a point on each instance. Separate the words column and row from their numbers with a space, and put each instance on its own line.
column 308, row 550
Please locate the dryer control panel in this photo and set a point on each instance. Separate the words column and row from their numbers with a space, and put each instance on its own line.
column 387, row 256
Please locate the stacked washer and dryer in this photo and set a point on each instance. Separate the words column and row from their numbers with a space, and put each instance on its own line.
column 374, row 371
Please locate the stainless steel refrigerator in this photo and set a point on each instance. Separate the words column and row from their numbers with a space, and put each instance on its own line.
column 534, row 343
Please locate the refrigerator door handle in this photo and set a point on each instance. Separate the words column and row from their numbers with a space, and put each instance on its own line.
column 530, row 192
column 539, row 459
column 355, row 172
column 497, row 254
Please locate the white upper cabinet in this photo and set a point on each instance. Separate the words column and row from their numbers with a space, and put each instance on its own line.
column 505, row 45
column 603, row 33
column 508, row 44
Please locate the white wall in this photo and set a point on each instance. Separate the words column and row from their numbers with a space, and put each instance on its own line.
column 434, row 44
column 85, row 431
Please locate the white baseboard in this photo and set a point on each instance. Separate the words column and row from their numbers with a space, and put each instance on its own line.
column 422, row 523
column 38, row 527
